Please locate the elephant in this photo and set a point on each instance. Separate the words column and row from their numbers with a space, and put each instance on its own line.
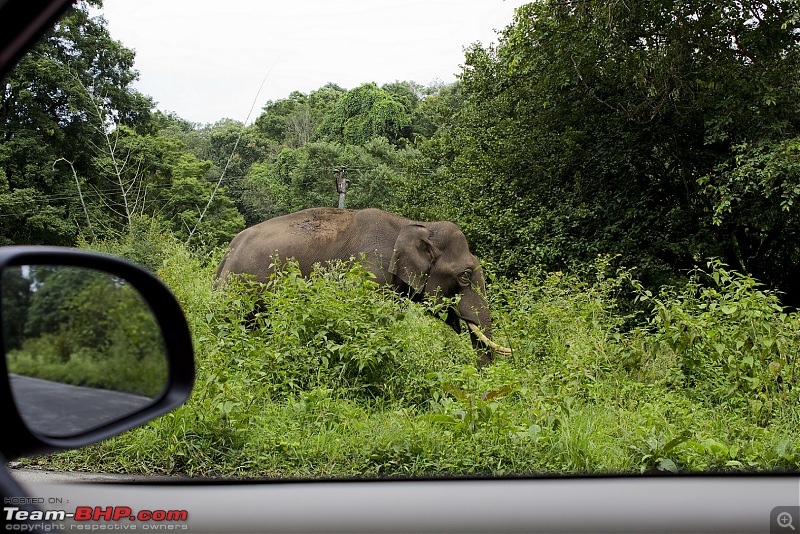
column 414, row 258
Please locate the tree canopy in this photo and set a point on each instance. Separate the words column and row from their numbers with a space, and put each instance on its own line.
column 662, row 132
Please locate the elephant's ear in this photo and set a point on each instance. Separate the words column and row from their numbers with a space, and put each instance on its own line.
column 413, row 257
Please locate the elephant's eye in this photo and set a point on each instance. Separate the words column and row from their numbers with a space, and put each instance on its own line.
column 465, row 277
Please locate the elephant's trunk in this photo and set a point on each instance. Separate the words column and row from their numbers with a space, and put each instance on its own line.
column 474, row 310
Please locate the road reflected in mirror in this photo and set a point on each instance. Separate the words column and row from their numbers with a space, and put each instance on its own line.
column 82, row 347
column 58, row 409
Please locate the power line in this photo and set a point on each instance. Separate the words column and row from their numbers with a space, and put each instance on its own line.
column 233, row 151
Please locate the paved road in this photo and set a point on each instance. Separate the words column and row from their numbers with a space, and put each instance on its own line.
column 57, row 409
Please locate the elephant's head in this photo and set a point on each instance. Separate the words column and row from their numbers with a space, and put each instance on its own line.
column 434, row 259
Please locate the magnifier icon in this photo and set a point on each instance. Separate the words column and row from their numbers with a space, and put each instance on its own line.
column 785, row 520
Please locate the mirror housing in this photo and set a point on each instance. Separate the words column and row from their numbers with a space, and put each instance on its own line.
column 21, row 25
column 176, row 340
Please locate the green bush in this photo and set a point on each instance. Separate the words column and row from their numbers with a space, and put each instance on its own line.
column 333, row 376
column 730, row 341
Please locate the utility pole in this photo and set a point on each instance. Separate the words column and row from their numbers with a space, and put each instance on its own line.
column 341, row 184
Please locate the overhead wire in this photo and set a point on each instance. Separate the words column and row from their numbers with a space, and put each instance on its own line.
column 233, row 151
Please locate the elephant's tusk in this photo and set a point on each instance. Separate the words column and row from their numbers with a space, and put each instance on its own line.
column 483, row 339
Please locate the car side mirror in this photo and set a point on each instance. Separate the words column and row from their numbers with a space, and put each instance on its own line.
column 93, row 346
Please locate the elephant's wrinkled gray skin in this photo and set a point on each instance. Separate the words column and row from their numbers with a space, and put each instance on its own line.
column 413, row 257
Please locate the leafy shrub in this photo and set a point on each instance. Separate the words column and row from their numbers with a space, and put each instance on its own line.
column 335, row 329
column 730, row 340
column 333, row 376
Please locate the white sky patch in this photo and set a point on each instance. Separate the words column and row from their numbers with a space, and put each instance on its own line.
column 206, row 60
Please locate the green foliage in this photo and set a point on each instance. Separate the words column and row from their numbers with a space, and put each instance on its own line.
column 152, row 178
column 754, row 195
column 232, row 149
column 365, row 113
column 400, row 112
column 29, row 218
column 731, row 340
column 184, row 198
column 49, row 112
column 758, row 173
column 655, row 450
column 657, row 132
column 148, row 243
column 334, row 330
column 331, row 376
column 588, row 128
column 294, row 120
column 301, row 178
column 76, row 163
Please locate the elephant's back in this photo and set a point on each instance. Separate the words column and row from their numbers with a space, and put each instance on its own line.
column 309, row 224
column 305, row 235
column 318, row 224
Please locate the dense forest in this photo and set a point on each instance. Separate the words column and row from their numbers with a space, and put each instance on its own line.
column 628, row 173
column 664, row 133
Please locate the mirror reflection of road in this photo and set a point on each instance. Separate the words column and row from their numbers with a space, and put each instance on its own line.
column 58, row 409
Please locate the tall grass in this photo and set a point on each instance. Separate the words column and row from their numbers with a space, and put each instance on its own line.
column 333, row 376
